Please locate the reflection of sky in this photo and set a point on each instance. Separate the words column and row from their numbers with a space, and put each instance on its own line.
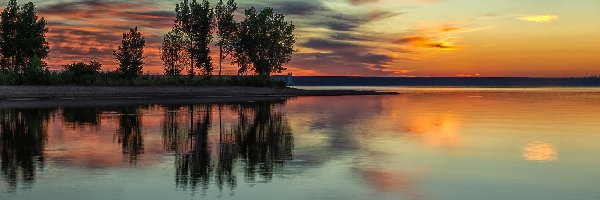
column 414, row 146
column 372, row 37
column 451, row 146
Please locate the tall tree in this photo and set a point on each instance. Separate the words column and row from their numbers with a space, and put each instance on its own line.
column 195, row 20
column 226, row 29
column 266, row 41
column 8, row 42
column 174, row 54
column 22, row 37
column 31, row 38
column 130, row 54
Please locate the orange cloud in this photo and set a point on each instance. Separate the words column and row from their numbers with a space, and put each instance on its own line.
column 539, row 18
column 467, row 75
column 426, row 42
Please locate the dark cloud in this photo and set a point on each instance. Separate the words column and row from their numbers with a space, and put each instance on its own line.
column 345, row 63
column 335, row 45
column 342, row 57
column 411, row 39
column 347, row 36
column 374, row 59
column 358, row 2
column 300, row 7
column 338, row 21
column 439, row 45
column 316, row 13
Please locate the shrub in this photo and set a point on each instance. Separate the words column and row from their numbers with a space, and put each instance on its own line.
column 35, row 73
column 9, row 78
column 82, row 73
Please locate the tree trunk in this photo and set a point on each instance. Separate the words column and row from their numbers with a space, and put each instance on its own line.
column 220, row 59
column 191, row 72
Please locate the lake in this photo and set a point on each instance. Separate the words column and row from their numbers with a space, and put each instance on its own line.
column 424, row 144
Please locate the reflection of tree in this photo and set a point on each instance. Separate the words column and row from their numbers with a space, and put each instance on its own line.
column 81, row 116
column 23, row 136
column 265, row 143
column 227, row 155
column 260, row 138
column 174, row 136
column 129, row 133
column 194, row 166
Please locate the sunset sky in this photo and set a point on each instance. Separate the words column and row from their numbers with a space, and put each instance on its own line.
column 366, row 37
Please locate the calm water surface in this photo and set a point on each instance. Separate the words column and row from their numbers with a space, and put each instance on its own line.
column 426, row 144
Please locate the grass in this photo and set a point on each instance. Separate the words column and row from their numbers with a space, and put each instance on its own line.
column 113, row 79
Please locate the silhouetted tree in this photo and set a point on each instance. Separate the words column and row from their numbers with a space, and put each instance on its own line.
column 22, row 39
column 195, row 20
column 35, row 72
column 174, row 54
column 265, row 40
column 8, row 41
column 81, row 72
column 226, row 29
column 130, row 54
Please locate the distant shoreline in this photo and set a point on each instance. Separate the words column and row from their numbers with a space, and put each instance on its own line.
column 445, row 81
column 15, row 93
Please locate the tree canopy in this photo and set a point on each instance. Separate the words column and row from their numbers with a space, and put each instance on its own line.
column 265, row 42
column 262, row 43
column 195, row 21
column 174, row 52
column 22, row 38
column 227, row 29
column 130, row 54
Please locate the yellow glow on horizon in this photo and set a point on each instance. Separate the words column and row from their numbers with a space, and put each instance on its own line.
column 539, row 18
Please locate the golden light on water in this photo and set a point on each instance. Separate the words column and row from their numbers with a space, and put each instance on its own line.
column 440, row 130
column 539, row 151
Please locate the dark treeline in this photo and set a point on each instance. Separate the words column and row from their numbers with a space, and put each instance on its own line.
column 255, row 140
column 260, row 44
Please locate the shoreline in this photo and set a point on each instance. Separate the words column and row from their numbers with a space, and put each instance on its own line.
column 18, row 93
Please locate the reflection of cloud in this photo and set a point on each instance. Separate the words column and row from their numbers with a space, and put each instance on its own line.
column 392, row 181
column 436, row 130
column 386, row 181
column 538, row 151
column 357, row 2
column 539, row 18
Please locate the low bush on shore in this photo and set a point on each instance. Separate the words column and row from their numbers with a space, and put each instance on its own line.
column 90, row 74
column 113, row 79
column 84, row 78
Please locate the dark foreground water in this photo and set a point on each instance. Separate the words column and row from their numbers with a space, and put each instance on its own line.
column 455, row 144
